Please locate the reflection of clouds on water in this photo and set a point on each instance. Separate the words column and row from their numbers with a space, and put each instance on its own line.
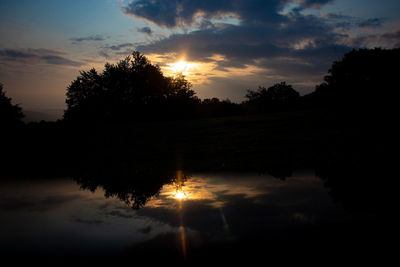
column 86, row 221
column 198, row 188
column 218, row 189
column 225, row 207
column 37, row 203
column 69, row 217
column 39, row 196
column 211, row 208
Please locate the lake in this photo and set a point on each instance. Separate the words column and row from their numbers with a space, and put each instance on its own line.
column 187, row 218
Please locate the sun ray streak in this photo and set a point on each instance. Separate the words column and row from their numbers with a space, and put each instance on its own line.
column 180, row 196
column 182, row 232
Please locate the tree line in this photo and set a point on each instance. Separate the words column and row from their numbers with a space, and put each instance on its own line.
column 362, row 86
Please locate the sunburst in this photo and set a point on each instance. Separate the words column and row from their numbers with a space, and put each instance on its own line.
column 182, row 66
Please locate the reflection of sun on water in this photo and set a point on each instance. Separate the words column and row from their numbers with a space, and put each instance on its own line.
column 196, row 188
column 180, row 195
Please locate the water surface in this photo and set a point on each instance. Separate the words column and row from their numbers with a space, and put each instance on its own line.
column 187, row 215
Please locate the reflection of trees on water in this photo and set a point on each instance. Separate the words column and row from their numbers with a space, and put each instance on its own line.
column 355, row 171
column 356, row 174
column 135, row 188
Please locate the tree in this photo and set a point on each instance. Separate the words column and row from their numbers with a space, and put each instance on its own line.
column 361, row 90
column 10, row 115
column 362, row 85
column 214, row 107
column 132, row 89
column 280, row 96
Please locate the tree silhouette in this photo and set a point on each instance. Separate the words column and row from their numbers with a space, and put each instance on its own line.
column 280, row 96
column 10, row 115
column 214, row 107
column 132, row 89
column 361, row 86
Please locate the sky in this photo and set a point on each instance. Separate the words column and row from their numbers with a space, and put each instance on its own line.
column 222, row 47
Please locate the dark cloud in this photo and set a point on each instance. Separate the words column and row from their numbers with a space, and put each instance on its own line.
column 276, row 36
column 104, row 54
column 314, row 3
column 392, row 36
column 16, row 54
column 371, row 23
column 119, row 46
column 348, row 22
column 388, row 39
column 303, row 39
column 335, row 16
column 184, row 12
column 118, row 49
column 57, row 60
column 96, row 37
column 145, row 30
column 32, row 56
column 263, row 31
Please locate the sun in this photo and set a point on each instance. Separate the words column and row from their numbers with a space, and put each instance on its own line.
column 182, row 66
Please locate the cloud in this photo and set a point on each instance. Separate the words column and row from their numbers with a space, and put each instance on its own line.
column 313, row 3
column 371, row 23
column 280, row 38
column 34, row 56
column 116, row 50
column 262, row 32
column 57, row 60
column 349, row 22
column 145, row 30
column 96, row 37
column 119, row 46
column 386, row 39
column 104, row 54
column 16, row 54
column 392, row 36
column 302, row 40
column 184, row 12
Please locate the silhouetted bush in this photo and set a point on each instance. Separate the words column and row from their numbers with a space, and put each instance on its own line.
column 278, row 97
column 213, row 107
column 10, row 115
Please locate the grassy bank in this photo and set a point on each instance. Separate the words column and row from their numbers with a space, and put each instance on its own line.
column 233, row 143
column 274, row 142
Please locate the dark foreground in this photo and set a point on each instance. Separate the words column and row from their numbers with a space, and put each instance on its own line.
column 243, row 196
